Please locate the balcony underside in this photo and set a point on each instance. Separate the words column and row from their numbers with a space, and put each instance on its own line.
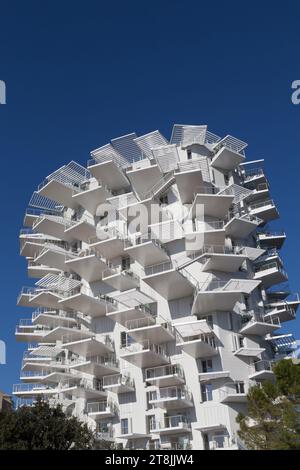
column 271, row 241
column 259, row 328
column 53, row 228
column 214, row 205
column 57, row 333
column 84, row 303
column 46, row 299
column 143, row 179
column 211, row 301
column 172, row 403
column 55, row 259
column 172, row 430
column 81, row 231
column 29, row 220
column 88, row 267
column 226, row 159
column 94, row 368
column 214, row 426
column 197, row 348
column 249, row 352
column 195, row 240
column 37, row 272
column 147, row 253
column 270, row 277
column 60, row 193
column 123, row 316
column 89, row 346
column 207, row 376
column 224, row 262
column 133, row 435
column 166, row 380
column 239, row 228
column 144, row 358
column 121, row 281
column 235, row 398
column 88, row 394
column 92, row 198
column 109, row 174
column 284, row 314
column 98, row 415
column 30, row 337
column 31, row 249
column 170, row 284
column 156, row 334
column 119, row 388
column 267, row 213
column 48, row 319
column 187, row 184
column 109, row 248
column 262, row 375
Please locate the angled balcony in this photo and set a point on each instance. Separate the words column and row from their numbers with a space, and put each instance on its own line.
column 80, row 229
column 271, row 239
column 31, row 249
column 270, row 273
column 165, row 376
column 200, row 232
column 119, row 278
column 143, row 176
column 177, row 424
column 53, row 226
column 233, row 392
column 143, row 329
column 132, row 313
column 282, row 311
column 247, row 351
column 146, row 250
column 110, row 243
column 83, row 301
column 213, row 375
column 86, row 344
column 215, row 295
column 173, row 397
column 241, row 226
column 144, row 354
column 52, row 317
column 27, row 332
column 37, row 271
column 188, row 176
column 60, row 332
column 54, row 256
column 118, row 383
column 260, row 191
column 254, row 176
column 91, row 196
column 216, row 204
column 260, row 325
column 89, row 389
column 261, row 370
column 43, row 297
column 99, row 366
column 196, row 338
column 89, row 264
column 222, row 258
column 101, row 410
column 39, row 389
column 265, row 210
column 228, row 153
column 107, row 166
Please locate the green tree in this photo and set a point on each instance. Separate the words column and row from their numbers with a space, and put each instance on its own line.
column 272, row 421
column 42, row 427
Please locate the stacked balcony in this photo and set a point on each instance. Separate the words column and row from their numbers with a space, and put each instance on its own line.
column 173, row 397
column 144, row 329
column 100, row 410
column 261, row 370
column 146, row 250
column 269, row 270
column 260, row 325
column 98, row 366
column 144, row 354
column 196, row 338
column 228, row 153
column 175, row 424
column 271, row 239
column 118, row 383
column 164, row 376
column 233, row 392
column 265, row 210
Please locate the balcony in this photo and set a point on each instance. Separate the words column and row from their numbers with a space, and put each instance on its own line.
column 164, row 376
column 145, row 354
column 91, row 196
column 143, row 176
column 118, row 383
column 52, row 318
column 222, row 258
column 54, row 226
column 39, row 389
column 25, row 296
column 31, row 249
column 198, row 233
column 246, row 351
column 127, row 314
column 82, row 301
column 216, row 204
column 261, row 191
column 188, row 175
column 196, row 338
column 107, row 166
column 99, row 366
column 213, row 375
column 233, row 392
column 177, row 424
column 43, row 297
column 174, row 397
column 142, row 329
column 265, row 210
column 254, row 176
column 274, row 239
column 212, row 418
column 26, row 331
column 110, row 243
column 240, row 226
column 87, row 344
column 59, row 332
column 168, row 281
column 146, row 251
column 270, row 273
column 261, row 370
column 215, row 295
column 260, row 325
column 283, row 312
column 54, row 256
column 119, row 278
column 228, row 153
column 38, row 271
column 101, row 410
column 88, row 389
column 81, row 229
column 89, row 264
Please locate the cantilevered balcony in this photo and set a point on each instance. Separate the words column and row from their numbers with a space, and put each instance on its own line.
column 37, row 271
column 80, row 229
column 244, row 350
column 99, row 366
column 173, row 397
column 39, row 389
column 83, row 301
column 146, row 250
column 87, row 344
column 233, row 392
column 119, row 278
column 216, row 204
column 254, row 176
column 165, row 376
column 26, row 331
column 188, row 176
column 199, row 232
column 168, row 281
column 144, row 354
column 177, row 424
column 196, row 338
column 143, row 176
column 283, row 311
column 31, row 297
column 259, row 192
column 101, row 410
column 124, row 314
column 107, row 166
column 142, row 329
column 61, row 332
column 270, row 273
column 90, row 196
column 261, row 370
column 213, row 418
column 54, row 226
column 89, row 264
column 52, row 317
column 228, row 153
column 215, row 295
column 260, row 325
column 110, row 244
column 213, row 375
column 88, row 389
column 240, row 226
column 118, row 383
column 265, row 210
column 271, row 239
column 222, row 258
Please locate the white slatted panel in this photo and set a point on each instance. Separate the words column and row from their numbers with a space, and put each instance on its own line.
column 232, row 143
column 166, row 157
column 57, row 281
column 41, row 202
column 108, row 153
column 187, row 135
column 149, row 142
column 237, row 191
column 70, row 174
column 127, row 147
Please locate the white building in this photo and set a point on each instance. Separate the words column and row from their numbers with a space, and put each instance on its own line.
column 153, row 333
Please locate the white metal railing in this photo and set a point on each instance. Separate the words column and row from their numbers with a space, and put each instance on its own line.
column 144, row 346
column 268, row 266
column 252, row 173
column 108, row 360
column 233, row 388
column 142, row 323
column 112, row 270
column 208, row 338
column 161, row 371
column 168, row 393
column 99, row 407
column 257, row 205
column 111, row 232
column 161, row 185
column 170, row 422
column 189, row 165
column 140, row 239
column 260, row 366
column 117, row 379
column 270, row 234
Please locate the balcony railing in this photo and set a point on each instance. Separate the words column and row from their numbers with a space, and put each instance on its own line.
column 108, row 360
column 144, row 346
column 267, row 266
column 100, row 407
column 168, row 393
column 162, row 371
column 252, row 173
column 262, row 365
column 258, row 205
column 137, row 323
column 170, row 422
column 117, row 379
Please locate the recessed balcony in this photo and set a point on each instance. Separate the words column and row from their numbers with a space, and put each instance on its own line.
column 146, row 251
column 196, row 338
column 90, row 197
column 81, row 229
column 215, row 295
column 142, row 329
column 99, row 366
column 119, row 278
column 168, row 281
column 188, row 176
column 265, row 210
column 260, row 325
column 145, row 354
column 177, row 424
column 88, row 304
column 164, row 376
column 118, row 383
column 261, row 370
column 89, row 265
column 272, row 239
column 85, row 345
column 110, row 244
column 215, row 204
column 174, row 397
column 100, row 410
column 270, row 273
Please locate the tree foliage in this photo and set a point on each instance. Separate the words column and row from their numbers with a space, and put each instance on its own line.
column 272, row 421
column 42, row 427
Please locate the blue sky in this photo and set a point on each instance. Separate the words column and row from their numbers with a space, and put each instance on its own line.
column 81, row 73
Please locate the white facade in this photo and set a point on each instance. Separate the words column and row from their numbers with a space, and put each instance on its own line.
column 153, row 333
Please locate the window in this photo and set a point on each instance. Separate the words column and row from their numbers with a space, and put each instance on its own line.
column 230, row 321
column 164, row 199
column 247, row 303
column 240, row 387
column 151, row 422
column 124, row 426
column 189, row 154
column 219, row 441
column 125, row 263
column 206, row 392
column 207, row 365
column 209, row 319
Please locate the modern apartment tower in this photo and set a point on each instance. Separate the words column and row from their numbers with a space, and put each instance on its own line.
column 159, row 289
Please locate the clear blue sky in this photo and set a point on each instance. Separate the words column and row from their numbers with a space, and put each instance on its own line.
column 81, row 73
